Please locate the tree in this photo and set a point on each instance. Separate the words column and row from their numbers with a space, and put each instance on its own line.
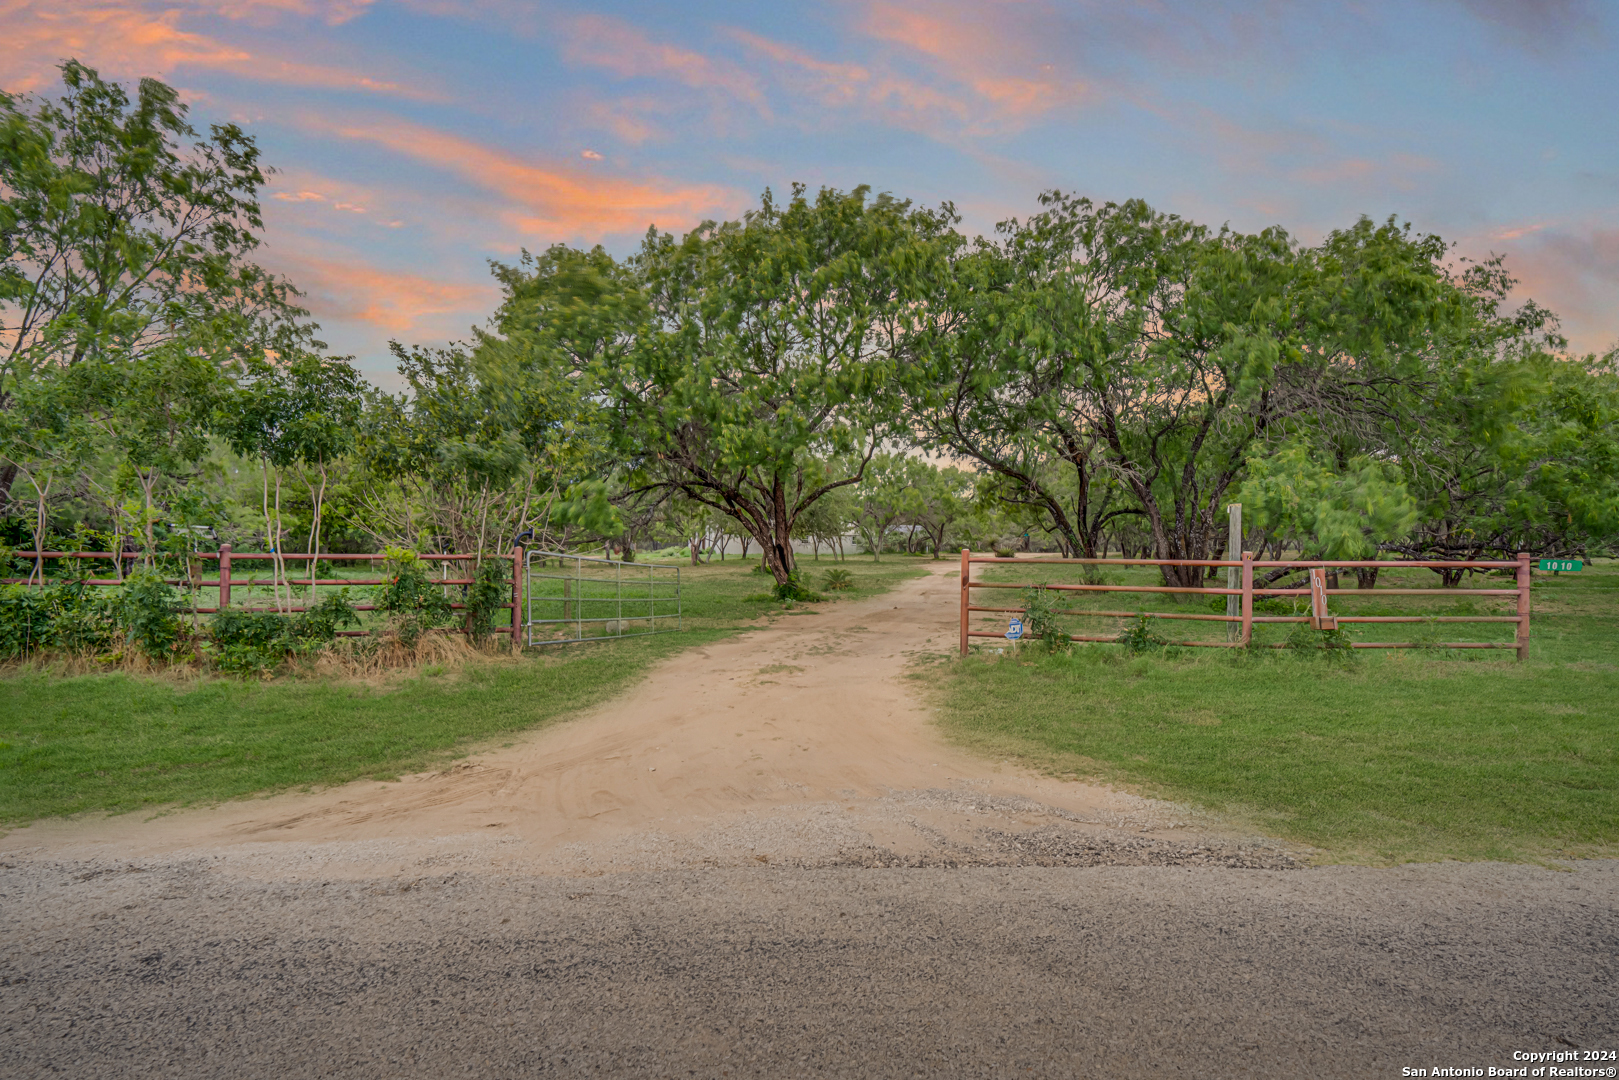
column 120, row 247
column 1129, row 343
column 886, row 494
column 769, row 365
column 943, row 498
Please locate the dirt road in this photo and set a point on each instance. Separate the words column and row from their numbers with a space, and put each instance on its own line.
column 764, row 862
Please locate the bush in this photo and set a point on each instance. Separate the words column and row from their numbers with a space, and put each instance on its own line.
column 491, row 588
column 1331, row 644
column 794, row 589
column 149, row 616
column 258, row 642
column 81, row 619
column 1139, row 636
column 414, row 602
column 1040, row 620
column 838, row 581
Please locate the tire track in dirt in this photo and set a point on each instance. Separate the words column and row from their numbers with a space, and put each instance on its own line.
column 796, row 743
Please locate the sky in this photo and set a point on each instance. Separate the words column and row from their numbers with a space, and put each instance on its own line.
column 417, row 140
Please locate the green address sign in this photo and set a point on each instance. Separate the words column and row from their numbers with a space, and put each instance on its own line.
column 1561, row 564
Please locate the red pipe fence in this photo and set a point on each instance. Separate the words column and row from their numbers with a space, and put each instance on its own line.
column 1247, row 592
column 225, row 580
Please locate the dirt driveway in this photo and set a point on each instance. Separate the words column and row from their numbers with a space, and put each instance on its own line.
column 764, row 862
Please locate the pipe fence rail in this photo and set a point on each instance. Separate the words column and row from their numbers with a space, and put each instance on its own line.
column 1244, row 590
column 608, row 598
column 225, row 579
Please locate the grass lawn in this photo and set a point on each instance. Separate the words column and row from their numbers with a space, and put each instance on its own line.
column 118, row 742
column 1384, row 758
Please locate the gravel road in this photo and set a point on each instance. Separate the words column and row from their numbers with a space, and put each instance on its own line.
column 185, row 967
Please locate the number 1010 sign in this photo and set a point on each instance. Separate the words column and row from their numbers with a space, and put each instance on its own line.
column 1561, row 564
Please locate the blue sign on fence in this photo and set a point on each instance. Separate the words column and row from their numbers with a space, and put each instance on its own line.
column 1015, row 631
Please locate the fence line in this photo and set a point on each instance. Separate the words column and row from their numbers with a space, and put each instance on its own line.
column 1247, row 591
column 607, row 618
column 225, row 580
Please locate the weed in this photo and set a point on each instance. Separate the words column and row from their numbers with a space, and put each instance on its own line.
column 1140, row 636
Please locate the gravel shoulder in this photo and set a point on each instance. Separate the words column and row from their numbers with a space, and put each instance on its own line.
column 177, row 968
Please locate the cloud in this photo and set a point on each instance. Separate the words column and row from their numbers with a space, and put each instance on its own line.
column 981, row 47
column 398, row 302
column 299, row 196
column 1398, row 171
column 590, row 155
column 1538, row 26
column 129, row 41
column 547, row 200
column 626, row 51
column 1574, row 270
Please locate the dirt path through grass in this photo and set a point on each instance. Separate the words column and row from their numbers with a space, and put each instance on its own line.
column 801, row 743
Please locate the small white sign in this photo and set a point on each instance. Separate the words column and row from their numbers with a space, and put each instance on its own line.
column 1015, row 631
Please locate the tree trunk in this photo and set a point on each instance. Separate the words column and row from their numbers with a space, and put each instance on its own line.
column 1366, row 577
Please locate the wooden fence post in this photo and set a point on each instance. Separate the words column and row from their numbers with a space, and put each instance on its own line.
column 1247, row 598
column 224, row 577
column 519, row 570
column 1523, row 605
column 966, row 595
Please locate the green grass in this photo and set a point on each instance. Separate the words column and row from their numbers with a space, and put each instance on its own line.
column 118, row 742
column 1384, row 758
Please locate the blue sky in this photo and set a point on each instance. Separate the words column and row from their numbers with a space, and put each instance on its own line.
column 418, row 139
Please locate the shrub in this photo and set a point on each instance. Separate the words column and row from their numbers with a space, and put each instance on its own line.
column 794, row 589
column 148, row 614
column 1332, row 644
column 414, row 602
column 491, row 588
column 838, row 581
column 258, row 642
column 1139, row 636
column 24, row 621
column 1040, row 620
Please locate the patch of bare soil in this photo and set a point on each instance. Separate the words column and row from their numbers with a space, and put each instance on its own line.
column 800, row 744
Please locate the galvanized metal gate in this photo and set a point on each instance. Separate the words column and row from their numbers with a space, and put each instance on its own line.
column 586, row 599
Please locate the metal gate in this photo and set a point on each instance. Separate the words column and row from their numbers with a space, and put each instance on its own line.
column 585, row 599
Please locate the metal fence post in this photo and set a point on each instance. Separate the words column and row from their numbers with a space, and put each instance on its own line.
column 1523, row 606
column 224, row 577
column 966, row 594
column 1247, row 598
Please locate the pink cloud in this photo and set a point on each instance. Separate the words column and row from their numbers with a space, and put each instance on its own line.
column 398, row 302
column 1574, row 270
column 626, row 51
column 989, row 48
column 546, row 199
column 1396, row 170
column 129, row 41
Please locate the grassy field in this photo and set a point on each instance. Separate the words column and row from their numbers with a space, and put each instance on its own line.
column 117, row 742
column 1378, row 756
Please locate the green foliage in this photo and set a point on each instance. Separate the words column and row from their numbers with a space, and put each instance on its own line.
column 258, row 642
column 148, row 614
column 1041, row 621
column 794, row 589
column 767, row 365
column 1332, row 644
column 1141, row 636
column 837, row 580
column 414, row 602
column 1344, row 513
column 491, row 588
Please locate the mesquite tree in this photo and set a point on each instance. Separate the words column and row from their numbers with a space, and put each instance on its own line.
column 769, row 364
column 1149, row 354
